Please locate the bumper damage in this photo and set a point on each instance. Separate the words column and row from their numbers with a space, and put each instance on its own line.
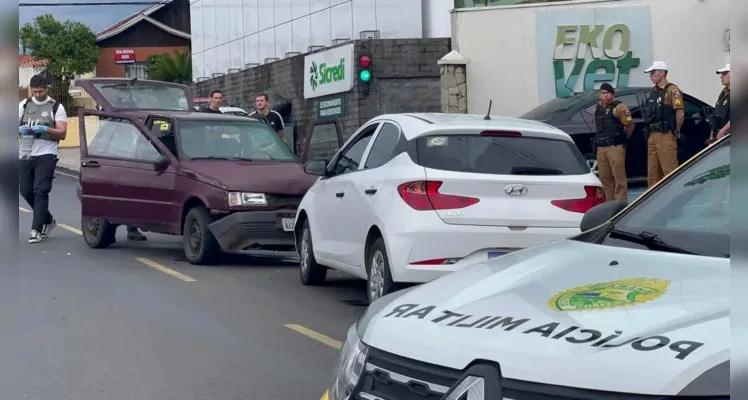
column 256, row 230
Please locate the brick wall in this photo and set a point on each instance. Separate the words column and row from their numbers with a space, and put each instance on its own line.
column 405, row 78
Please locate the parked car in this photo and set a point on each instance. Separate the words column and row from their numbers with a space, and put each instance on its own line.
column 411, row 197
column 636, row 307
column 148, row 160
column 575, row 115
column 234, row 111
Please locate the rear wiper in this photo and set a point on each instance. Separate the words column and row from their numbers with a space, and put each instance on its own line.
column 651, row 240
column 530, row 170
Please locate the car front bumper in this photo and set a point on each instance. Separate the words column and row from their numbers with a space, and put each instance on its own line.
column 261, row 230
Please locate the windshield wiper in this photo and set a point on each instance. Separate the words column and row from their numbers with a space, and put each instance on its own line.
column 530, row 170
column 222, row 158
column 651, row 240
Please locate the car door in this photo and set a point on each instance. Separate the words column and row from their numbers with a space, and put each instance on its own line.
column 636, row 146
column 695, row 129
column 339, row 210
column 323, row 140
column 370, row 180
column 120, row 177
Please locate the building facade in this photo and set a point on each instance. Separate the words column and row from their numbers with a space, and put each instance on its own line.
column 231, row 35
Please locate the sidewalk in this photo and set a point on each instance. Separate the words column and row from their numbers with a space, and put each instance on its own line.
column 70, row 160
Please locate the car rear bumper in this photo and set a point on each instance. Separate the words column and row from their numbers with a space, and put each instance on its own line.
column 262, row 230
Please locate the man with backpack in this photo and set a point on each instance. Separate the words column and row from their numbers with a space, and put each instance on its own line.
column 42, row 124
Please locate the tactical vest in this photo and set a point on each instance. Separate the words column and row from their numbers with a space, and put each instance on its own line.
column 34, row 114
column 721, row 114
column 607, row 124
column 658, row 116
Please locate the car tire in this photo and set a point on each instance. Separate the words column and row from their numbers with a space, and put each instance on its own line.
column 379, row 278
column 310, row 272
column 200, row 246
column 98, row 233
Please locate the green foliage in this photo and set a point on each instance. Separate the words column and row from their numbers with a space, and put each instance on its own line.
column 70, row 47
column 176, row 67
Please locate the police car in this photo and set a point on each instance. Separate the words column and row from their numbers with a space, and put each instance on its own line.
column 636, row 307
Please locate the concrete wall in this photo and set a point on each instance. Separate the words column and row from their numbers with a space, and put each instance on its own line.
column 511, row 65
column 405, row 78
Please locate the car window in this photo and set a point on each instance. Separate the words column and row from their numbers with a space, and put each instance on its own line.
column 324, row 142
column 119, row 138
column 503, row 155
column 249, row 140
column 350, row 159
column 691, row 210
column 163, row 129
column 384, row 145
column 632, row 103
column 690, row 108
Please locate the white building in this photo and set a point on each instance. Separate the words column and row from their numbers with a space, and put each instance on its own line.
column 230, row 34
column 524, row 55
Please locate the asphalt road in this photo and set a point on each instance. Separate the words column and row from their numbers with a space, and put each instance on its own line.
column 136, row 322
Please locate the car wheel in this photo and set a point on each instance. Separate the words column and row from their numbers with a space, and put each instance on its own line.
column 379, row 278
column 311, row 273
column 591, row 162
column 200, row 246
column 98, row 233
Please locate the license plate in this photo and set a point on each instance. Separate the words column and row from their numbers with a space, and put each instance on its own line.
column 288, row 224
column 494, row 254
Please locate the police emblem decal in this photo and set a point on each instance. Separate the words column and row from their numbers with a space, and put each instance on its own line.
column 608, row 295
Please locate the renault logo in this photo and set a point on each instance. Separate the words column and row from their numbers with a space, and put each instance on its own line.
column 515, row 190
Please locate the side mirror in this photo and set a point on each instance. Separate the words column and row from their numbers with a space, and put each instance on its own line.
column 316, row 167
column 161, row 164
column 600, row 214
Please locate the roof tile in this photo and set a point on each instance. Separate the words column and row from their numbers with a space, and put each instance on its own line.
column 28, row 61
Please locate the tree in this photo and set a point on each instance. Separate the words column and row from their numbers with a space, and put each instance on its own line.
column 176, row 67
column 69, row 47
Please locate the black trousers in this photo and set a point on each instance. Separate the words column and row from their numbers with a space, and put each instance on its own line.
column 35, row 183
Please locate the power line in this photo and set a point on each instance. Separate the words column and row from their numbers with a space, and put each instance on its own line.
column 75, row 4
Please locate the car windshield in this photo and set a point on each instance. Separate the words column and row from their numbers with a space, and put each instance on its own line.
column 213, row 139
column 688, row 214
column 143, row 95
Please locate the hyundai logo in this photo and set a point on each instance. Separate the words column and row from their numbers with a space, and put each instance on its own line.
column 515, row 190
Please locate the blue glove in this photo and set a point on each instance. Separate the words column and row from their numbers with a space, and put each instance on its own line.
column 39, row 129
column 24, row 130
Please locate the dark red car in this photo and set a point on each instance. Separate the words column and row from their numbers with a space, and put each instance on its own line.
column 148, row 160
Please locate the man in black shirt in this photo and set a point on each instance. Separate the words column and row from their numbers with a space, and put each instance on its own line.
column 272, row 118
column 216, row 101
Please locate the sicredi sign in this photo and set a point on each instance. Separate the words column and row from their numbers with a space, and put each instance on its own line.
column 328, row 72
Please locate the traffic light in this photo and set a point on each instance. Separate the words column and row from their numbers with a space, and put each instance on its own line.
column 364, row 74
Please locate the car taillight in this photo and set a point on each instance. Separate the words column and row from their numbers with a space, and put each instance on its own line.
column 595, row 196
column 424, row 195
column 437, row 261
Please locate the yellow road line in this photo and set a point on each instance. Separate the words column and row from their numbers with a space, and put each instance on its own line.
column 26, row 210
column 165, row 270
column 335, row 344
column 70, row 229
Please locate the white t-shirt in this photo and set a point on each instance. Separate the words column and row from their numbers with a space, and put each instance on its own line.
column 42, row 146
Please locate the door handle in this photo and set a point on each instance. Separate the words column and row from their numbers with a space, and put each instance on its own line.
column 339, row 194
column 90, row 164
column 370, row 191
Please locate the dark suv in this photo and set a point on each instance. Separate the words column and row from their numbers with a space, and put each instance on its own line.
column 148, row 160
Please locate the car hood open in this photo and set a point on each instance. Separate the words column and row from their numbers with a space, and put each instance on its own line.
column 571, row 313
column 251, row 176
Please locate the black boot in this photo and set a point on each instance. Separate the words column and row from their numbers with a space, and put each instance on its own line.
column 135, row 235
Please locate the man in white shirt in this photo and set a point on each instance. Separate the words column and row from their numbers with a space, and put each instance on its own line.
column 44, row 119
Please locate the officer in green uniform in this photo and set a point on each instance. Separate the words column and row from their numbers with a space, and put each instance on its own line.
column 720, row 119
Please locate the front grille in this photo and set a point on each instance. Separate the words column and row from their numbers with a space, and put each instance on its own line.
column 284, row 201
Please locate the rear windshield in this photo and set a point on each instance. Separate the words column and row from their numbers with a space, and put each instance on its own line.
column 502, row 155
column 144, row 95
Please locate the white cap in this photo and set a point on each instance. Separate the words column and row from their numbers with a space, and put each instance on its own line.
column 726, row 68
column 657, row 66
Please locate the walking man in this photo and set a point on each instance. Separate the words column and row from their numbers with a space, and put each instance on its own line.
column 272, row 118
column 614, row 125
column 720, row 120
column 44, row 119
column 664, row 116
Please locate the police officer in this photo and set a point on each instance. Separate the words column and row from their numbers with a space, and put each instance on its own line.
column 720, row 120
column 664, row 118
column 614, row 125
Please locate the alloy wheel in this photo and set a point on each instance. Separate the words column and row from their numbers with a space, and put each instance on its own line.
column 376, row 281
column 195, row 237
column 305, row 252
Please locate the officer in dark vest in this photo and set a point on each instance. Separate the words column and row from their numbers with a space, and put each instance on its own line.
column 720, row 119
column 614, row 125
column 663, row 118
column 44, row 119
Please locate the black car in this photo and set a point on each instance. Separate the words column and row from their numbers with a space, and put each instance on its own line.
column 575, row 115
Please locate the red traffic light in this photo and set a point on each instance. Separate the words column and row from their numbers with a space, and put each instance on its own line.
column 365, row 61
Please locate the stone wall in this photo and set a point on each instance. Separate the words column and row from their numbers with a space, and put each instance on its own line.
column 405, row 78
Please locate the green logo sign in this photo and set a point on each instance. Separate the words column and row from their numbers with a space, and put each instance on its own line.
column 323, row 73
column 331, row 107
column 611, row 53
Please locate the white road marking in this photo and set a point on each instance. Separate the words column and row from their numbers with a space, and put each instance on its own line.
column 26, row 210
column 66, row 174
column 165, row 269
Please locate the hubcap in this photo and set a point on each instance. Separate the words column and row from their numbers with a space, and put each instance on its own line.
column 376, row 280
column 92, row 226
column 305, row 252
column 194, row 236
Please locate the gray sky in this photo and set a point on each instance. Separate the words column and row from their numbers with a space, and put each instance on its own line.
column 96, row 17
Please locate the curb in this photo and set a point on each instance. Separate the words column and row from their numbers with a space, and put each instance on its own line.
column 68, row 171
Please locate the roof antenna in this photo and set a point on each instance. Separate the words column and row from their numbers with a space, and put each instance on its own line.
column 488, row 114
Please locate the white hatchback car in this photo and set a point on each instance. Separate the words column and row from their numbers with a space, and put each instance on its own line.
column 411, row 197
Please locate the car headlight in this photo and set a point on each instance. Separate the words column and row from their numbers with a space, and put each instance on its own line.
column 247, row 199
column 350, row 366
